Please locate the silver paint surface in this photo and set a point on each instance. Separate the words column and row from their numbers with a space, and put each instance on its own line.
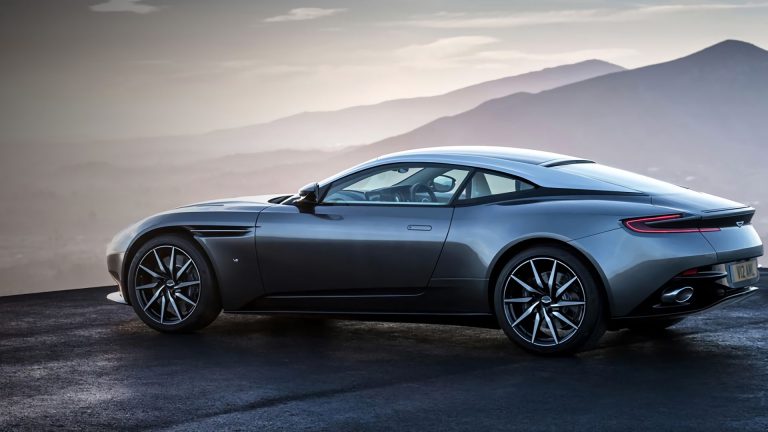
column 359, row 249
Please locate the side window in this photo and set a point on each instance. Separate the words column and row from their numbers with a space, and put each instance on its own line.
column 425, row 184
column 484, row 184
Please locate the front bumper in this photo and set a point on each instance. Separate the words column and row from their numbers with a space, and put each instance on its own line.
column 117, row 297
column 115, row 268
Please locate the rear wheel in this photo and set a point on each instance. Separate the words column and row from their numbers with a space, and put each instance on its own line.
column 547, row 302
column 171, row 285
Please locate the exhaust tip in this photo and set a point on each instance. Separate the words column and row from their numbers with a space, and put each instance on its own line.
column 678, row 296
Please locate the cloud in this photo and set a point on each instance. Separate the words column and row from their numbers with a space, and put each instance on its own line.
column 446, row 20
column 472, row 52
column 134, row 6
column 461, row 20
column 440, row 52
column 567, row 56
column 459, row 53
column 303, row 14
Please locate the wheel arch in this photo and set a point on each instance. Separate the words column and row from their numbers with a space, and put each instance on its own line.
column 148, row 235
column 513, row 249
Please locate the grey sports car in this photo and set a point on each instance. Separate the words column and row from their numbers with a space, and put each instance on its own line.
column 551, row 248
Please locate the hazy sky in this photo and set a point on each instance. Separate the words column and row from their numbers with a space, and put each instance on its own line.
column 77, row 69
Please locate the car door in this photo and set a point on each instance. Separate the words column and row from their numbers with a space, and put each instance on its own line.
column 348, row 243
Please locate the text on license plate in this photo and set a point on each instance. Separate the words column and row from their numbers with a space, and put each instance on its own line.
column 743, row 271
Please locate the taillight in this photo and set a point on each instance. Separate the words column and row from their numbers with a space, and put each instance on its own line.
column 674, row 223
column 690, row 272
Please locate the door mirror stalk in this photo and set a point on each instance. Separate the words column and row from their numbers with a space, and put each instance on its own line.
column 309, row 194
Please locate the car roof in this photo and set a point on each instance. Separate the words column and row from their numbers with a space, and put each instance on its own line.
column 531, row 165
column 535, row 157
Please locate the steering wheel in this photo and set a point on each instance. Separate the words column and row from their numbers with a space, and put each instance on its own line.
column 419, row 187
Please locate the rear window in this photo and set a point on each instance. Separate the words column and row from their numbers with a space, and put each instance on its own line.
column 620, row 177
column 485, row 184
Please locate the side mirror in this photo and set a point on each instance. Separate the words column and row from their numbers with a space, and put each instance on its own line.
column 309, row 194
column 443, row 183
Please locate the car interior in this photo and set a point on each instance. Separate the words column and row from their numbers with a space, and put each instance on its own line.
column 421, row 184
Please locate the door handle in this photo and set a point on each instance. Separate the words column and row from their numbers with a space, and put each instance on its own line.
column 420, row 227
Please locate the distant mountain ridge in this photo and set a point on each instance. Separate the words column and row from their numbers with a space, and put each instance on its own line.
column 326, row 130
column 700, row 104
column 368, row 123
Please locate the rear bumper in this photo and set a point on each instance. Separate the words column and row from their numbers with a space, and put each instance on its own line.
column 734, row 243
column 636, row 267
column 718, row 298
column 710, row 287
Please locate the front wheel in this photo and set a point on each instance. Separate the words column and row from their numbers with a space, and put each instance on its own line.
column 171, row 285
column 547, row 302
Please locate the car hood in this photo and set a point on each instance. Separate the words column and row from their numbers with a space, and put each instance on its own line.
column 238, row 203
column 238, row 211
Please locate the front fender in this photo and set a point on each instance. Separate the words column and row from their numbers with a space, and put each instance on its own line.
column 226, row 236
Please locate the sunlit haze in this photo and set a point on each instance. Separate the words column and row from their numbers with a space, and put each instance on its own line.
column 121, row 68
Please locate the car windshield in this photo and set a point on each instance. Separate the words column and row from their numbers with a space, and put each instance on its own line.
column 398, row 176
column 411, row 183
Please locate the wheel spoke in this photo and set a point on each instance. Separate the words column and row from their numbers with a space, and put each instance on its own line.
column 552, row 273
column 525, row 285
column 183, row 297
column 567, row 303
column 565, row 286
column 562, row 318
column 518, row 300
column 551, row 327
column 162, row 309
column 172, row 262
column 160, row 264
column 186, row 284
column 536, row 323
column 183, row 268
column 151, row 273
column 536, row 275
column 525, row 314
column 174, row 307
column 154, row 297
column 147, row 286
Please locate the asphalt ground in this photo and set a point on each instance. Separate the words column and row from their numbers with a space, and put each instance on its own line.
column 73, row 360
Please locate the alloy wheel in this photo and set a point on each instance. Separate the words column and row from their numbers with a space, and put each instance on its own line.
column 544, row 301
column 167, row 284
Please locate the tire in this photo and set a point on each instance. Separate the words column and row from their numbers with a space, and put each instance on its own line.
column 186, row 301
column 653, row 326
column 530, row 312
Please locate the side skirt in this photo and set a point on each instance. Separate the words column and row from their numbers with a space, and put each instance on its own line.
column 483, row 320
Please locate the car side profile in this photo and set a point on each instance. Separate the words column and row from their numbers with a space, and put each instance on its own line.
column 553, row 249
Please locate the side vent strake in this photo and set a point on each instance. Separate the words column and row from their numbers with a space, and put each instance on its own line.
column 221, row 231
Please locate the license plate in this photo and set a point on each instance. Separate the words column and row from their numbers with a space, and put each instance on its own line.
column 743, row 271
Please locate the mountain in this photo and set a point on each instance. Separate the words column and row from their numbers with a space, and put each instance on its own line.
column 711, row 103
column 322, row 130
column 369, row 123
